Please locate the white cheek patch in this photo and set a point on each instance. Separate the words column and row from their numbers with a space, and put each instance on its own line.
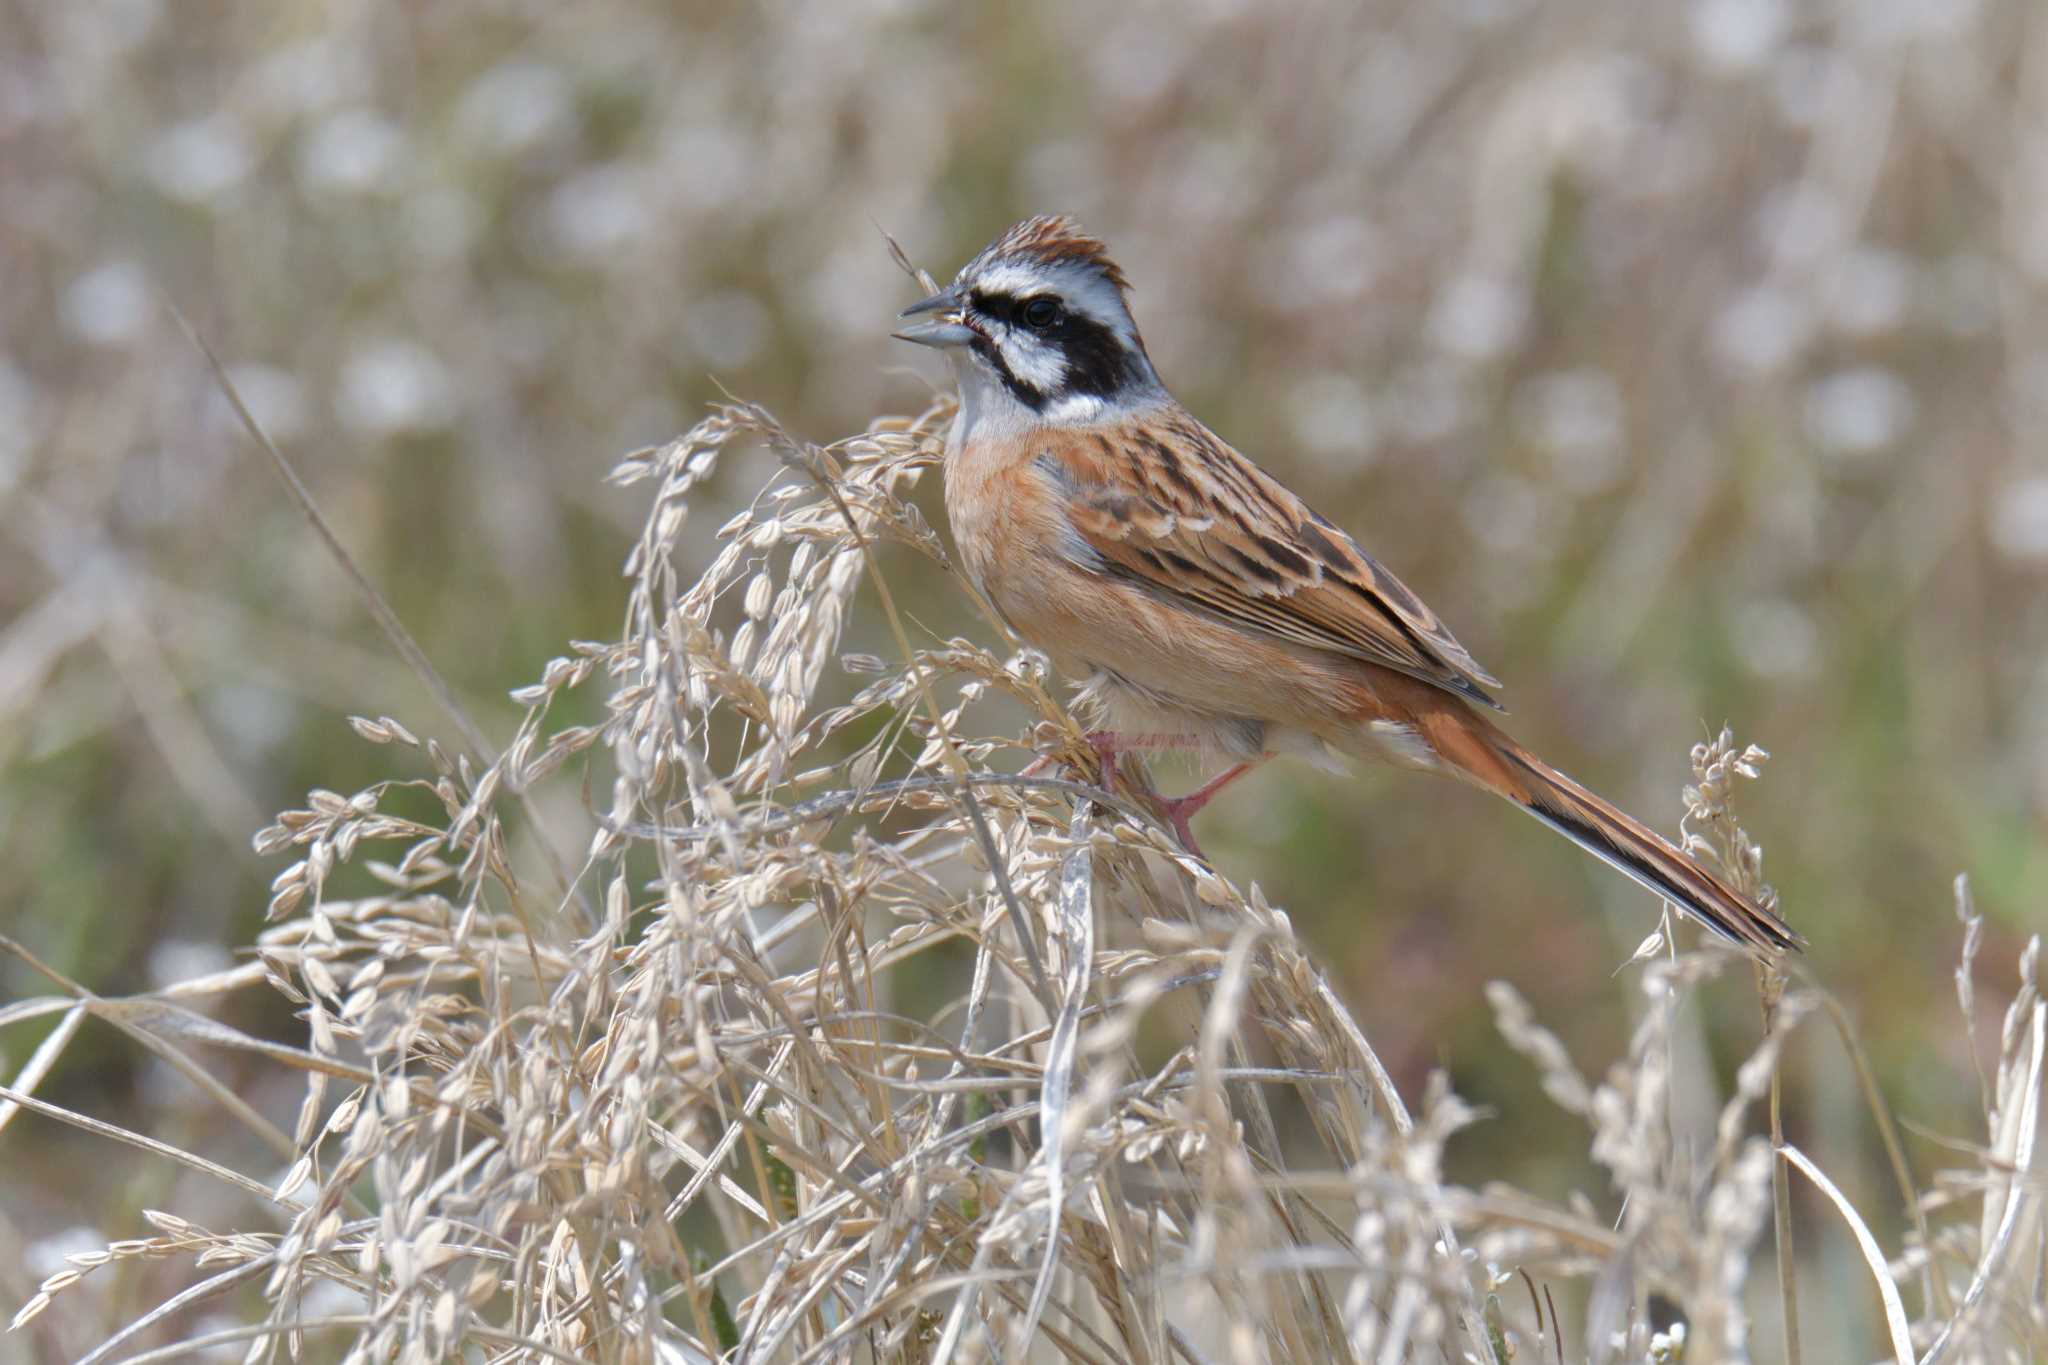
column 1037, row 364
column 988, row 410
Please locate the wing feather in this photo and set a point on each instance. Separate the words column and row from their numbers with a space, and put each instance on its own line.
column 1171, row 507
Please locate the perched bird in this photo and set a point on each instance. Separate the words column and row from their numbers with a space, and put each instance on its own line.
column 1208, row 607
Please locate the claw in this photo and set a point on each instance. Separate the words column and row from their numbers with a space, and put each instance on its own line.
column 1178, row 813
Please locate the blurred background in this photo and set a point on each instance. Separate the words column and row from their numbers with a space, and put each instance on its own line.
column 1690, row 359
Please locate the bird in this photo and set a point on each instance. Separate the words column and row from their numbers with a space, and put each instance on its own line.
column 1202, row 604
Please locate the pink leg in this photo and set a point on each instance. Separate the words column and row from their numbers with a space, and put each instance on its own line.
column 1107, row 744
column 1181, row 809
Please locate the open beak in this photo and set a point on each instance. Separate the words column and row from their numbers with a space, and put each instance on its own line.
column 943, row 329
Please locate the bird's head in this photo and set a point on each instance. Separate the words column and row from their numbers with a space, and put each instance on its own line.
column 1038, row 328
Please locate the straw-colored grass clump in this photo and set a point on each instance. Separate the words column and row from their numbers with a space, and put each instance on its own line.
column 837, row 1044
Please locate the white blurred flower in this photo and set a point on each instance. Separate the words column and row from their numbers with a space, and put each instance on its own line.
column 1512, row 516
column 1668, row 1346
column 1333, row 418
column 1802, row 82
column 351, row 151
column 326, row 1298
column 254, row 719
column 392, row 386
column 597, row 211
column 1427, row 403
column 709, row 167
column 728, row 328
column 1736, row 35
column 1575, row 417
column 1801, row 223
column 1762, row 330
column 45, row 1255
column 2019, row 519
column 274, row 397
column 1864, row 291
column 1962, row 295
column 841, row 293
column 95, row 39
column 1580, row 112
column 515, row 105
column 1332, row 259
column 1208, row 180
column 108, row 304
column 1855, row 412
column 307, row 76
column 1776, row 638
column 1477, row 316
column 199, row 160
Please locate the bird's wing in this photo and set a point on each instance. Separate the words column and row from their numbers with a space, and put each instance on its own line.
column 1170, row 506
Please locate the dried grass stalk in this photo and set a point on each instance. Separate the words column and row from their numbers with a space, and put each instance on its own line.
column 717, row 1114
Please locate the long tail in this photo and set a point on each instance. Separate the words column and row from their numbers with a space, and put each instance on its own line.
column 1485, row 756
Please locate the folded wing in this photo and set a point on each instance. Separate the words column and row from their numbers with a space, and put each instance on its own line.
column 1171, row 507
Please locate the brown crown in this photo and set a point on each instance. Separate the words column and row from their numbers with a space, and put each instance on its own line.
column 1056, row 239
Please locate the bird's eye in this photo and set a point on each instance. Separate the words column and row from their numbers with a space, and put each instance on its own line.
column 1041, row 313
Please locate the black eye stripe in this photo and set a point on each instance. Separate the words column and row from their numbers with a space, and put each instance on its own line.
column 1010, row 308
column 1097, row 359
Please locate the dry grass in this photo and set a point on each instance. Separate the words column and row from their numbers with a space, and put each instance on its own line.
column 694, row 1099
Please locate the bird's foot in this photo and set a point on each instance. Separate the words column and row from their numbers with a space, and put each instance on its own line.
column 1179, row 810
column 1110, row 745
column 1177, row 815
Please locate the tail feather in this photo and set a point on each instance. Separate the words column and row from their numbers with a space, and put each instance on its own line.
column 1640, row 852
column 1486, row 756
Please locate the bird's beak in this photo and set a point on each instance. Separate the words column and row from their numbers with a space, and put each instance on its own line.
column 944, row 330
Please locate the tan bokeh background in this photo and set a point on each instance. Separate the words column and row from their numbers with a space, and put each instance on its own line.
column 1690, row 359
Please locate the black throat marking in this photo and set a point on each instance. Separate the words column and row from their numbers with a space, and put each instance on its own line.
column 1030, row 395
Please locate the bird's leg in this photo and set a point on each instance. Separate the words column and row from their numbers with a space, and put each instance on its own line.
column 1109, row 744
column 1181, row 809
